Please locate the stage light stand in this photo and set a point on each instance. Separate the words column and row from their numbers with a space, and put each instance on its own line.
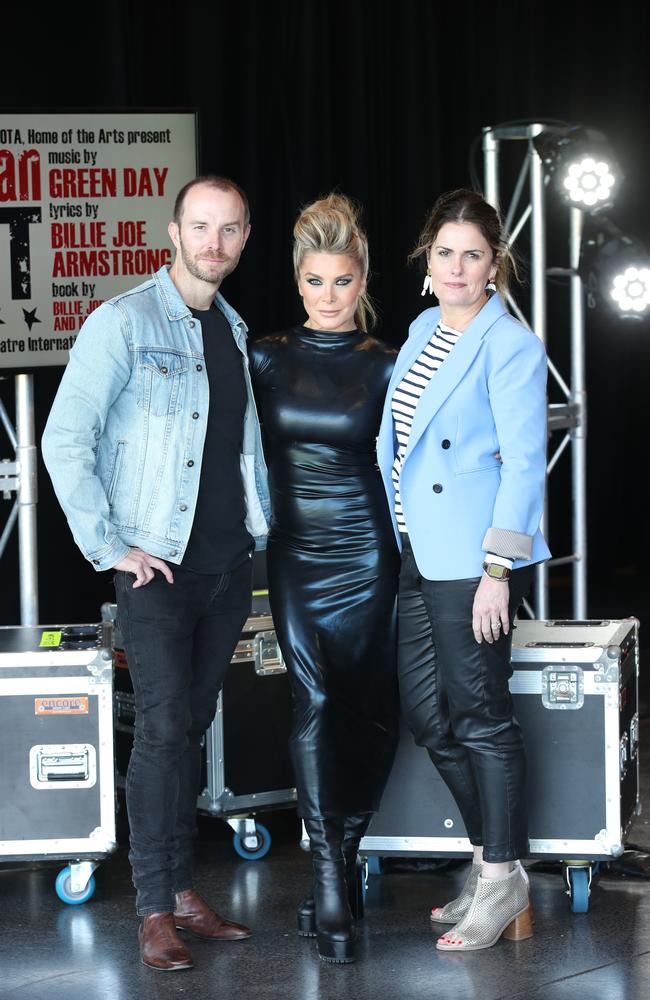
column 568, row 417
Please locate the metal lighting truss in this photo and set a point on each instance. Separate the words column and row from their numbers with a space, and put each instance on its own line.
column 19, row 477
column 569, row 417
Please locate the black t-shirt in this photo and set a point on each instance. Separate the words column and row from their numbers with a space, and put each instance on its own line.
column 219, row 541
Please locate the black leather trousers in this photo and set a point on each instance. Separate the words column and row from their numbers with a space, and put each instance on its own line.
column 455, row 697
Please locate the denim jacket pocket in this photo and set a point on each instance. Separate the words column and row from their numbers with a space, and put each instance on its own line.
column 161, row 381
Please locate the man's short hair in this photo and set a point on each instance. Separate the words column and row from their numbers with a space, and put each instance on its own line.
column 212, row 180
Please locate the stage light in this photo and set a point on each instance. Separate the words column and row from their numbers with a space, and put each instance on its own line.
column 616, row 271
column 588, row 181
column 631, row 289
column 586, row 173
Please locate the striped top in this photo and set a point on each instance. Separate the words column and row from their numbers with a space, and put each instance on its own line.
column 406, row 397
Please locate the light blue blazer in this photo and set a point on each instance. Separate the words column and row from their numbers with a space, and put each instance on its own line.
column 474, row 471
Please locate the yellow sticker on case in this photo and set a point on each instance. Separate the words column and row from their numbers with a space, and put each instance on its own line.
column 51, row 639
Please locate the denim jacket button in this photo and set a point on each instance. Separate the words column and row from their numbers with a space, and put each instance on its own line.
column 437, row 488
column 190, row 463
column 173, row 552
column 199, row 368
column 195, row 416
column 163, row 370
column 183, row 507
column 191, row 324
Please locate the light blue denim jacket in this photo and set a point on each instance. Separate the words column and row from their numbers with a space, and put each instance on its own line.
column 124, row 439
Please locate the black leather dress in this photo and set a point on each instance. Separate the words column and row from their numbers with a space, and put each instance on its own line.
column 333, row 563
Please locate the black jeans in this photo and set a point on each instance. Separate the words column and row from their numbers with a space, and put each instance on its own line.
column 454, row 694
column 178, row 639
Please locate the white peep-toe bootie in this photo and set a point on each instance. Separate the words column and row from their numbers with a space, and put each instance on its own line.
column 501, row 907
column 455, row 909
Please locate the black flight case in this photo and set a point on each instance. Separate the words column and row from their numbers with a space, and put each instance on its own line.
column 57, row 793
column 246, row 767
column 575, row 693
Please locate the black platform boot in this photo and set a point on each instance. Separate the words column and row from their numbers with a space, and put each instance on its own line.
column 333, row 920
column 354, row 828
column 353, row 831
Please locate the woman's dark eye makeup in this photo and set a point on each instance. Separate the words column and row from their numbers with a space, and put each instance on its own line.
column 339, row 281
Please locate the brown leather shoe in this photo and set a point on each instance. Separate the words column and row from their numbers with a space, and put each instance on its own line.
column 193, row 914
column 160, row 946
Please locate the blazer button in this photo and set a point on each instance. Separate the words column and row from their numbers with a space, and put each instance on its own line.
column 446, row 444
column 183, row 507
column 195, row 416
column 437, row 488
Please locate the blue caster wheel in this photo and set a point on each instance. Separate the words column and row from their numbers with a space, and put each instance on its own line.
column 579, row 889
column 263, row 838
column 65, row 893
column 374, row 865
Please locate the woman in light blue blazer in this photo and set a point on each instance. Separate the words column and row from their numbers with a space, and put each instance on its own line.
column 462, row 454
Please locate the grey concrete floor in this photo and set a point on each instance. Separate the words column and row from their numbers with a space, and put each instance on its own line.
column 51, row 951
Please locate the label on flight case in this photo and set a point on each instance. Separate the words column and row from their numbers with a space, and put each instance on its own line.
column 51, row 639
column 70, row 705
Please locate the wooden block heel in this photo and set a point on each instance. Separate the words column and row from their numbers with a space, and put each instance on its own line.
column 521, row 927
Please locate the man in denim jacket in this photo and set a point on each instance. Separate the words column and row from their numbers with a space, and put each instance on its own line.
column 154, row 450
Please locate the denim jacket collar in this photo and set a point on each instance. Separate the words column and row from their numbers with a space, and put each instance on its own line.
column 176, row 308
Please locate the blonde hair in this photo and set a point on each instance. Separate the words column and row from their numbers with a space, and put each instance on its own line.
column 331, row 225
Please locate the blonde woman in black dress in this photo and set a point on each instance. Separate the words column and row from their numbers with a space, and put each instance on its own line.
column 332, row 556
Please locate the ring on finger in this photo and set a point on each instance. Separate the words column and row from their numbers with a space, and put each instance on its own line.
column 496, row 625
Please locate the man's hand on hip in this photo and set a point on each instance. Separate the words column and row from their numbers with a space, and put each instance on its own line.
column 143, row 565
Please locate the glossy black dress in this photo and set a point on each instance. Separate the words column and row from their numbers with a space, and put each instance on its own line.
column 332, row 560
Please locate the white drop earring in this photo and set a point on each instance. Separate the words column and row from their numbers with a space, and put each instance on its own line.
column 427, row 286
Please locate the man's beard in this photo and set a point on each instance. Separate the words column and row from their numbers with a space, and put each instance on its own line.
column 227, row 266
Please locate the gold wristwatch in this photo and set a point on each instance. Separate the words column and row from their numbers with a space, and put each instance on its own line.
column 496, row 571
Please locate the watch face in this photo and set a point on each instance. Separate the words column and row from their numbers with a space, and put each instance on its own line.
column 496, row 571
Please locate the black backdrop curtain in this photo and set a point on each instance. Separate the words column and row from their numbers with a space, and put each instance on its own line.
column 383, row 101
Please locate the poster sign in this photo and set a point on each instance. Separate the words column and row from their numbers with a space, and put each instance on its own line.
column 85, row 200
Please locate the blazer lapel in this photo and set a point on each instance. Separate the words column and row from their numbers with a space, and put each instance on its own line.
column 453, row 369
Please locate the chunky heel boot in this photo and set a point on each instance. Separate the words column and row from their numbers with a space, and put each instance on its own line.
column 456, row 908
column 354, row 828
column 354, row 882
column 333, row 919
column 500, row 908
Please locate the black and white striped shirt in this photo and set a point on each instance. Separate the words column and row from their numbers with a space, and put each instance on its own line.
column 406, row 397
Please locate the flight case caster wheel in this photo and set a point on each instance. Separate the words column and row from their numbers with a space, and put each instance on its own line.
column 375, row 865
column 253, row 852
column 67, row 894
column 578, row 879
